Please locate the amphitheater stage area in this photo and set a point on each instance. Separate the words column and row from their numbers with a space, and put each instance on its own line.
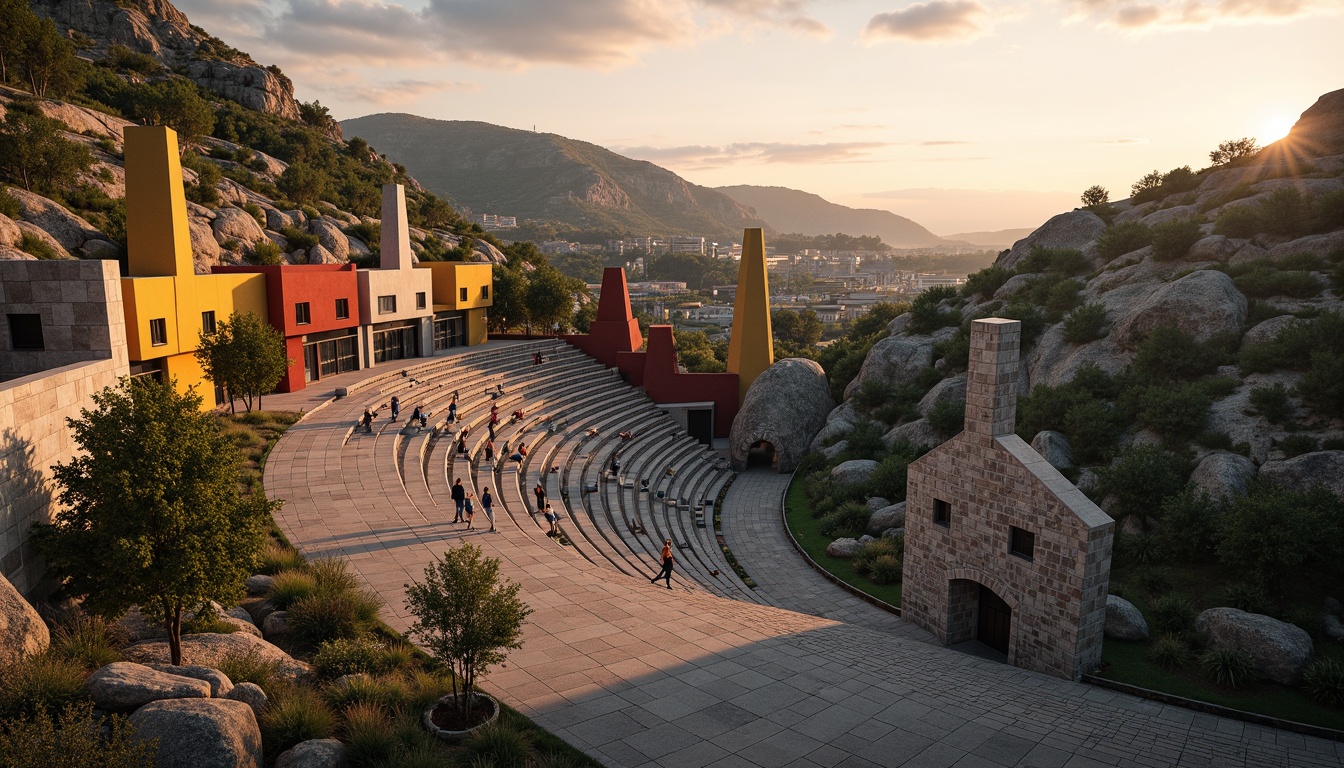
column 795, row 672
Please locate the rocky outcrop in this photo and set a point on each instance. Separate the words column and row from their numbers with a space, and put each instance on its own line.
column 250, row 694
column 949, row 390
column 1054, row 447
column 210, row 733
column 315, row 753
column 1319, row 131
column 886, row 518
column 853, row 472
column 1223, row 475
column 916, row 433
column 43, row 237
column 10, row 234
column 276, row 626
column 220, row 684
column 785, row 406
column 123, row 686
column 894, row 360
column 22, row 631
column 1267, row 330
column 1123, row 620
column 1280, row 650
column 207, row 649
column 66, row 228
column 1203, row 304
column 255, row 88
column 237, row 224
column 1301, row 473
column 332, row 238
column 1074, row 229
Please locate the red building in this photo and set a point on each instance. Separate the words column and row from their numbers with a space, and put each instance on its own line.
column 316, row 307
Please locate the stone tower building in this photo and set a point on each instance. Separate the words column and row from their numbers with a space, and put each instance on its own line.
column 999, row 546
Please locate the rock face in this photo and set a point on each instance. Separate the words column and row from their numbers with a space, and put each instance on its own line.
column 207, row 649
column 66, row 228
column 893, row 360
column 251, row 86
column 220, row 684
column 786, row 406
column 315, row 753
column 237, row 224
column 1223, row 475
column 1300, row 473
column 886, row 518
column 949, row 390
column 1123, row 620
column 853, row 472
column 22, row 631
column 1321, row 127
column 250, row 694
column 123, row 686
column 213, row 733
column 1074, row 229
column 1203, row 304
column 330, row 236
column 1280, row 650
column 1054, row 447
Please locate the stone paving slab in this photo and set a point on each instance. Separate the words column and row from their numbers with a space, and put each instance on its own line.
column 637, row 675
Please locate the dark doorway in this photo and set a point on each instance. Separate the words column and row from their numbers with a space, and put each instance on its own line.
column 761, row 454
column 995, row 624
column 700, row 425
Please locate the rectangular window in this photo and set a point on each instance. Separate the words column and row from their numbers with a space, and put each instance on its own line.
column 301, row 314
column 208, row 322
column 1022, row 543
column 342, row 309
column 158, row 332
column 420, row 300
column 942, row 513
column 25, row 332
column 387, row 305
column 485, row 291
column 463, row 294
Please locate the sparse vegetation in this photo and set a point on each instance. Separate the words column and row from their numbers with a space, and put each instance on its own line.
column 1122, row 238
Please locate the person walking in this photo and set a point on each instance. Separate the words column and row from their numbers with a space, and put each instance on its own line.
column 494, row 415
column 470, row 510
column 540, row 493
column 553, row 519
column 488, row 505
column 490, row 450
column 459, row 495
column 452, row 412
column 396, row 407
column 668, row 561
column 462, row 444
column 367, row 421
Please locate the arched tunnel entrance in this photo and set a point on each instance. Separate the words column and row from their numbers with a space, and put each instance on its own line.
column 762, row 455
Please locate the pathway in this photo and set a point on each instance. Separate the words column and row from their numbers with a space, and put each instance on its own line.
column 636, row 675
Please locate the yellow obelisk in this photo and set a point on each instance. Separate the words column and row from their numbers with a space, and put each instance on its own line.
column 751, row 348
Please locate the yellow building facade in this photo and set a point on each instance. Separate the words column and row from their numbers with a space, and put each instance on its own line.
column 462, row 290
column 167, row 304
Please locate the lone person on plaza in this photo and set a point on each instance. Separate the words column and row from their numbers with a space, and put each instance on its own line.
column 668, row 561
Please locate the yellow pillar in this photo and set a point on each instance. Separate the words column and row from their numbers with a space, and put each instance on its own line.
column 158, row 242
column 751, row 348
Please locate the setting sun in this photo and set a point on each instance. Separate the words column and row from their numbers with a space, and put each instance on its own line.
column 1275, row 128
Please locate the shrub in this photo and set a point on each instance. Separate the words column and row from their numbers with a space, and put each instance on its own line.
column 333, row 575
column 863, row 561
column 925, row 314
column 1154, row 582
column 1123, row 238
column 1172, row 239
column 1177, row 412
column 1140, row 548
column 121, row 58
column 873, row 394
column 1228, row 668
column 33, row 245
column 866, row 439
column 9, row 204
column 256, row 212
column 1323, row 682
column 985, row 282
column 947, row 417
column 328, row 616
column 297, row 238
column 389, row 693
column 1322, row 386
column 1085, row 323
column 1170, row 354
column 44, row 683
column 74, row 739
column 1141, row 479
column 887, row 570
column 264, row 253
column 1285, row 211
column 427, row 688
column 276, row 558
column 500, row 745
column 251, row 667
column 1092, row 430
column 1292, row 347
column 1265, row 282
column 1238, row 221
column 368, row 735
column 1173, row 614
column 299, row 714
column 1271, row 533
column 87, row 640
column 850, row 519
column 1298, row 444
column 1187, row 530
column 1328, row 212
column 1272, row 403
column 289, row 587
column 1250, row 598
column 1170, row 651
column 1061, row 261
column 1304, row 261
column 347, row 656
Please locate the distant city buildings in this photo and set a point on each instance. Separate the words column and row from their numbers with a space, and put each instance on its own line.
column 491, row 221
column 686, row 245
column 551, row 247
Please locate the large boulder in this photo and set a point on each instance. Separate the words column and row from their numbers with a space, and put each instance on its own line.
column 1280, row 650
column 220, row 684
column 1074, row 229
column 1123, row 620
column 1319, row 131
column 258, row 583
column 886, row 518
column 785, row 406
column 205, row 250
column 43, row 236
column 1223, row 475
column 853, row 472
column 237, row 224
column 123, row 686
column 1213, row 248
column 250, row 694
column 845, row 548
column 949, row 390
column 210, row 733
column 1054, row 447
column 1267, row 330
column 208, row 649
column 894, row 360
column 331, row 237
column 64, row 227
column 251, row 86
column 314, row 753
column 22, row 631
column 918, row 432
column 1203, row 304
column 10, row 234
column 1300, row 473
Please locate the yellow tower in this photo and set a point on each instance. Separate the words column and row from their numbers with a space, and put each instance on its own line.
column 158, row 242
column 751, row 348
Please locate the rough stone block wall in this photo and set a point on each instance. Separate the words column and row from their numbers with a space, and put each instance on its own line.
column 79, row 302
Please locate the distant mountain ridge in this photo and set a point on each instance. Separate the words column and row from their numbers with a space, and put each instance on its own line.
column 493, row 169
column 792, row 210
column 1003, row 238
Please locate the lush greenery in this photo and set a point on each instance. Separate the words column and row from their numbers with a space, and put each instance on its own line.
column 805, row 530
column 245, row 355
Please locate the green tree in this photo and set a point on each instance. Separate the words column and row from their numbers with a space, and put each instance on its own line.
column 510, row 307
column 466, row 616
column 1147, row 185
column 1095, row 195
column 16, row 21
column 800, row 329
column 176, row 103
column 699, row 354
column 1234, row 149
column 48, row 61
column 303, row 182
column 1141, row 479
column 154, row 515
column 550, row 298
column 1271, row 533
column 244, row 355
column 35, row 153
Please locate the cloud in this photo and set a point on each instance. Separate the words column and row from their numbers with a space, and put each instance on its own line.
column 935, row 21
column 1123, row 141
column 1176, row 14
column 704, row 157
column 941, row 143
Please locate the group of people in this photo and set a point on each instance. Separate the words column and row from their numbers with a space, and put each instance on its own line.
column 465, row 507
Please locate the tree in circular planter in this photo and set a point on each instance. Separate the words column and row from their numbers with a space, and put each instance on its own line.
column 468, row 618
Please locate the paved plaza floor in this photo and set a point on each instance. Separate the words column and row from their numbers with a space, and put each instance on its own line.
column 638, row 675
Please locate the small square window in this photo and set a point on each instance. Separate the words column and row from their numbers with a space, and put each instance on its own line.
column 387, row 305
column 302, row 315
column 1022, row 543
column 485, row 291
column 342, row 309
column 158, row 332
column 463, row 293
column 420, row 300
column 25, row 332
column 942, row 513
column 208, row 322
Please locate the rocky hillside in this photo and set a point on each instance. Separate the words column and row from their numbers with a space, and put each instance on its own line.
column 792, row 210
column 542, row 176
column 1204, row 316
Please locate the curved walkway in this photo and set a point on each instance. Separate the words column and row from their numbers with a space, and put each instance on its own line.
column 637, row 675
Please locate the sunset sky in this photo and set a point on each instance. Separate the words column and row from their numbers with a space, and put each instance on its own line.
column 963, row 115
